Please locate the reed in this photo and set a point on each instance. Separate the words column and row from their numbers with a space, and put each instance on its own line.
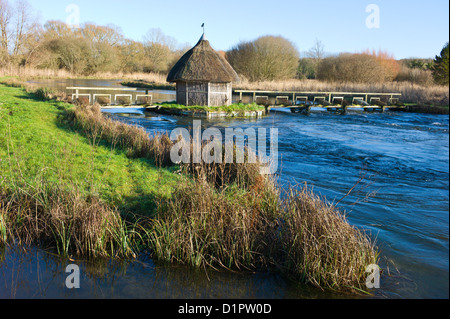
column 300, row 235
column 203, row 227
column 53, row 215
column 319, row 245
column 92, row 123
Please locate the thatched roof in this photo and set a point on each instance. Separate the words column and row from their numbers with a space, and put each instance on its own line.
column 203, row 63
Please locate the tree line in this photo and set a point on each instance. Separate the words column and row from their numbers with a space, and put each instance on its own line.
column 85, row 50
column 272, row 58
column 92, row 48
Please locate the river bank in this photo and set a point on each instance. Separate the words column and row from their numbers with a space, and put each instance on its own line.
column 106, row 208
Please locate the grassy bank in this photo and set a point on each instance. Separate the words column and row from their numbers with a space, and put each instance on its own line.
column 78, row 182
column 65, row 190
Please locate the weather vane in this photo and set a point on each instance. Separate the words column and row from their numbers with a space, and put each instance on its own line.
column 203, row 26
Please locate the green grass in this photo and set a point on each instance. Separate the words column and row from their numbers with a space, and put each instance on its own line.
column 34, row 140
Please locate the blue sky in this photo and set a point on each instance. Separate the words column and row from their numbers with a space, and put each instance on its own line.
column 407, row 28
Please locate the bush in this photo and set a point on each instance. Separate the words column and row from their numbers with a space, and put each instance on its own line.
column 414, row 75
column 366, row 67
column 359, row 68
column 266, row 58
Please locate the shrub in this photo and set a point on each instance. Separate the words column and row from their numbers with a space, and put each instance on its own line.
column 366, row 67
column 266, row 58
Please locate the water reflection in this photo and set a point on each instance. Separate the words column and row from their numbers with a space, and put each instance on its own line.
column 38, row 274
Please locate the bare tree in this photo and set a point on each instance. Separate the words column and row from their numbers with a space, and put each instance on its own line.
column 317, row 54
column 159, row 50
column 25, row 25
column 156, row 36
column 5, row 34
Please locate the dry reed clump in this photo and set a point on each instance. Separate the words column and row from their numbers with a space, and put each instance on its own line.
column 319, row 245
column 61, row 217
column 134, row 140
column 300, row 235
column 222, row 172
column 201, row 227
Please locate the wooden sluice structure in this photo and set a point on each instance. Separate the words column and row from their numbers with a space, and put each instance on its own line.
column 110, row 96
column 339, row 102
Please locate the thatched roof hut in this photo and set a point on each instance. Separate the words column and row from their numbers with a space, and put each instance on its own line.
column 203, row 77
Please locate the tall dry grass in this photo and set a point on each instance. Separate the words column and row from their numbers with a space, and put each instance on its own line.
column 133, row 139
column 300, row 235
column 34, row 73
column 203, row 227
column 53, row 215
column 411, row 93
column 319, row 245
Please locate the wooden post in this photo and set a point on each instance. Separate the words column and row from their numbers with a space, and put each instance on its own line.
column 254, row 97
column 240, row 97
column 187, row 94
column 208, row 95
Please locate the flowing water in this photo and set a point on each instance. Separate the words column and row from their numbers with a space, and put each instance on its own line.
column 402, row 201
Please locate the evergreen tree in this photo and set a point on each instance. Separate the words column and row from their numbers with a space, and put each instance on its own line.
column 440, row 68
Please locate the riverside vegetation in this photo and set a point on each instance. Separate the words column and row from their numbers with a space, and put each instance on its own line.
column 74, row 180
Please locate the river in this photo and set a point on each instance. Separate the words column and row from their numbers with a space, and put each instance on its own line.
column 402, row 202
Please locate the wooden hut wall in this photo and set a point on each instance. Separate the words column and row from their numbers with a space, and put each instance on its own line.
column 197, row 93
column 181, row 93
column 203, row 93
column 219, row 94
